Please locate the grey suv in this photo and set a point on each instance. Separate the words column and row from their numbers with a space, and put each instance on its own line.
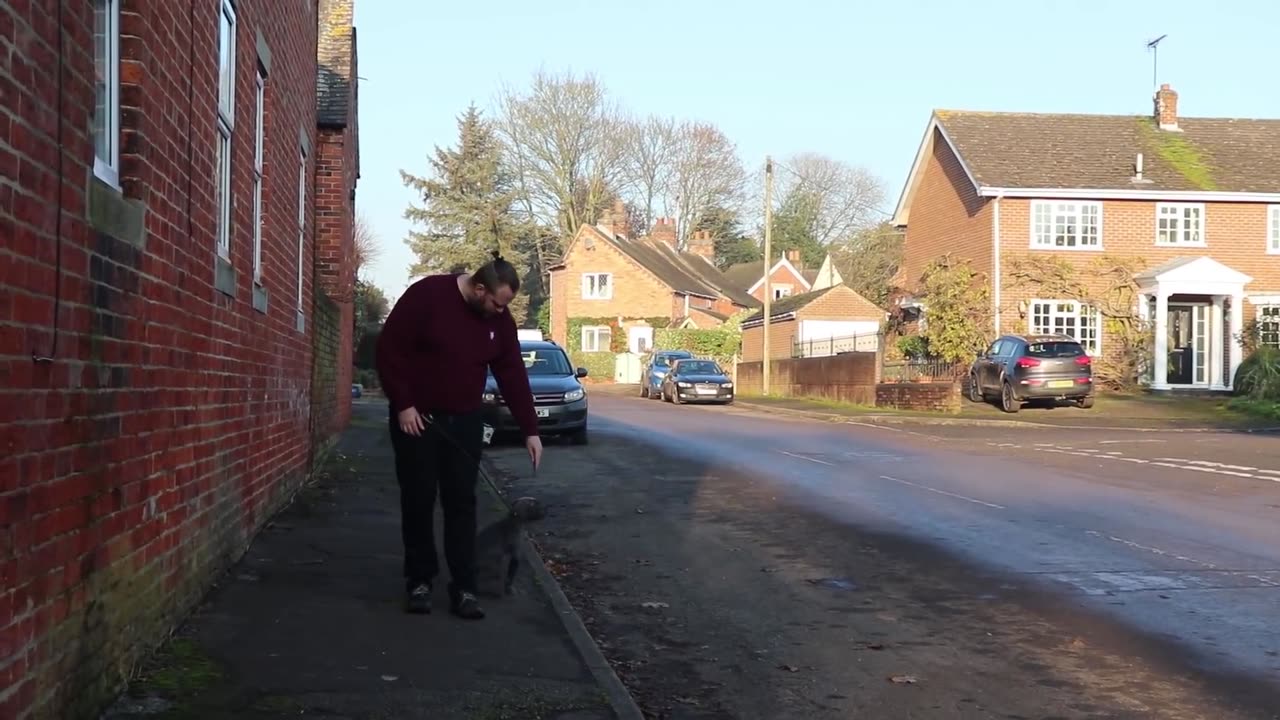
column 1021, row 368
column 558, row 395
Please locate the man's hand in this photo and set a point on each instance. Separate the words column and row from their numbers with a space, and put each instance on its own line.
column 534, row 444
column 411, row 423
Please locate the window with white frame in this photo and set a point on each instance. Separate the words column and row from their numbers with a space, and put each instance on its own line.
column 1066, row 225
column 1179, row 224
column 1273, row 229
column 597, row 286
column 259, row 132
column 106, row 87
column 781, row 291
column 1269, row 325
column 302, row 219
column 596, row 338
column 226, row 121
column 1068, row 317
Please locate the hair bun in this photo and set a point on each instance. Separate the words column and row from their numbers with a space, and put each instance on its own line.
column 497, row 254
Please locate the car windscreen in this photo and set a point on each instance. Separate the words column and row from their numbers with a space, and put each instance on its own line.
column 1055, row 350
column 546, row 362
column 698, row 367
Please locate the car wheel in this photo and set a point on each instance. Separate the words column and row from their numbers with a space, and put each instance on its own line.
column 644, row 390
column 975, row 390
column 675, row 397
column 1008, row 402
column 1085, row 402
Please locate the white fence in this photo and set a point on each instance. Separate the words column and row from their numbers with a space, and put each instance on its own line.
column 823, row 347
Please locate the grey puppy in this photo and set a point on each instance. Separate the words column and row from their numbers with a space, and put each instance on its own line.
column 497, row 554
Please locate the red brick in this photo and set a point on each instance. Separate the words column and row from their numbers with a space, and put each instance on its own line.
column 104, row 463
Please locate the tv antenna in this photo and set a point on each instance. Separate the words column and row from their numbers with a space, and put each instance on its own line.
column 1154, row 47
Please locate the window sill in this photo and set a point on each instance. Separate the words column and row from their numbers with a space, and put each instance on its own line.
column 1176, row 246
column 259, row 298
column 111, row 213
column 224, row 277
column 1058, row 248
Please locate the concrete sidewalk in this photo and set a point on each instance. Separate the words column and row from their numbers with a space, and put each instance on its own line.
column 310, row 622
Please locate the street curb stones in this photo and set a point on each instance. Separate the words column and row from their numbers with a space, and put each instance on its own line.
column 873, row 419
column 624, row 706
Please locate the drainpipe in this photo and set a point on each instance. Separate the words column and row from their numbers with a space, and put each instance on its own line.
column 686, row 304
column 995, row 253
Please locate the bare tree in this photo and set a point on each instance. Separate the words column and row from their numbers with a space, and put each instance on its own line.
column 845, row 198
column 367, row 248
column 706, row 173
column 561, row 142
column 650, row 148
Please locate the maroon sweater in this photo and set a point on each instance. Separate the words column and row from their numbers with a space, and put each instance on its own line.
column 434, row 350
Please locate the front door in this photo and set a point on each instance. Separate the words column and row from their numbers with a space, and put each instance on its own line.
column 1188, row 359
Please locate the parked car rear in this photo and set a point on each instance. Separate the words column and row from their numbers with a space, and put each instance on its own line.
column 1023, row 368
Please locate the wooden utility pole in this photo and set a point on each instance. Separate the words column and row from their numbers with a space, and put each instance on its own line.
column 768, row 283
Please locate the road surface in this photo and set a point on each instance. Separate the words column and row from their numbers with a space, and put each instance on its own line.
column 736, row 564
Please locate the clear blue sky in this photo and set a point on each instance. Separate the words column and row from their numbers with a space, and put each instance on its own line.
column 854, row 80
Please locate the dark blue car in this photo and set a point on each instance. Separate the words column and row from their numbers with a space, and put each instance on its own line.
column 656, row 369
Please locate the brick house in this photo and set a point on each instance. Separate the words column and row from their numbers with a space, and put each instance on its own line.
column 174, row 242
column 788, row 276
column 813, row 324
column 1171, row 221
column 638, row 284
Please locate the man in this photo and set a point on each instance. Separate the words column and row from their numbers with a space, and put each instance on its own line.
column 432, row 355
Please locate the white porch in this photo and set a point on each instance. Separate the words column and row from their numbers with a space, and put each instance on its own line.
column 1187, row 301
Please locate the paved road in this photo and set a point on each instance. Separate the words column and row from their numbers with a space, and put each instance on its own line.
column 793, row 566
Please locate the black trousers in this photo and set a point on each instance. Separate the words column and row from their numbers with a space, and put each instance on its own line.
column 429, row 463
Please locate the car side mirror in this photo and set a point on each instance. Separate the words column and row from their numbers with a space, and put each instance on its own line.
column 582, row 372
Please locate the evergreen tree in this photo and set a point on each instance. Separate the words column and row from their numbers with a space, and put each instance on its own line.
column 467, row 209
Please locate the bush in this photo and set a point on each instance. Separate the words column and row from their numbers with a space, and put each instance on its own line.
column 1258, row 377
column 913, row 347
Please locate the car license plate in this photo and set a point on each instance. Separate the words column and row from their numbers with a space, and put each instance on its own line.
column 1061, row 384
column 542, row 412
column 488, row 434
column 707, row 389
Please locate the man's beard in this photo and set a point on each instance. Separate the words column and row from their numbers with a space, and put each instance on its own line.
column 477, row 306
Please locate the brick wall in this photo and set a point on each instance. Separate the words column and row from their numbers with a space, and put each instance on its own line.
column 171, row 414
column 326, row 371
column 782, row 340
column 636, row 292
column 1235, row 235
column 947, row 216
column 932, row 397
column 847, row 378
column 782, row 275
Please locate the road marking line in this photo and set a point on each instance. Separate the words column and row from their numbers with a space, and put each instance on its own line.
column 802, row 457
column 878, row 427
column 943, row 492
column 1225, row 466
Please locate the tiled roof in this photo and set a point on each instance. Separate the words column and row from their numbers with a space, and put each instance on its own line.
column 682, row 272
column 1037, row 150
column 861, row 308
column 333, row 69
column 744, row 275
column 790, row 304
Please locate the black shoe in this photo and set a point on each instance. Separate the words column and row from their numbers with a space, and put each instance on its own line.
column 418, row 601
column 466, row 606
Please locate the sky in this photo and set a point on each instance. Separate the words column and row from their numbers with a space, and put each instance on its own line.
column 855, row 80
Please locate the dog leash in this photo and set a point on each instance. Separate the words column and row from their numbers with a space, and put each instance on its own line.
column 431, row 423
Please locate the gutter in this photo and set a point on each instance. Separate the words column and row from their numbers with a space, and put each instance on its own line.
column 757, row 323
column 1122, row 194
column 996, row 275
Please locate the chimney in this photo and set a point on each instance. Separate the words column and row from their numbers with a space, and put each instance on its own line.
column 1167, row 108
column 664, row 231
column 793, row 257
column 702, row 244
column 614, row 220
